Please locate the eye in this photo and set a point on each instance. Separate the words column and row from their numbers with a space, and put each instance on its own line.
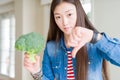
column 69, row 14
column 57, row 17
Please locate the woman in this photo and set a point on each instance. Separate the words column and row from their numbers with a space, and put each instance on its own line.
column 75, row 50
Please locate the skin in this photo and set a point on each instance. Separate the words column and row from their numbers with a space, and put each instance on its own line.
column 32, row 67
column 75, row 36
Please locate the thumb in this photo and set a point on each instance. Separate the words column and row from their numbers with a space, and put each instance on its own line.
column 37, row 59
column 76, row 49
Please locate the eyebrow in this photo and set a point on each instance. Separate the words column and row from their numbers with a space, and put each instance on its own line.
column 65, row 12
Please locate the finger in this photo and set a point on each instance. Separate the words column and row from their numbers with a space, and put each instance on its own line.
column 76, row 49
column 27, row 60
column 37, row 60
column 37, row 57
column 26, row 55
column 74, row 52
column 28, row 65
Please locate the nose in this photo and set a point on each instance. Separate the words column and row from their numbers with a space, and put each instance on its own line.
column 65, row 21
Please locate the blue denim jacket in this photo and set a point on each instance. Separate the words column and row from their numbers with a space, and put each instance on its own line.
column 55, row 58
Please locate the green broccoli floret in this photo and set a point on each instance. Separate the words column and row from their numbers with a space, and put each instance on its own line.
column 32, row 43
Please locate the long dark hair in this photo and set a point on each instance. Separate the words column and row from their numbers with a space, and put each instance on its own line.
column 55, row 34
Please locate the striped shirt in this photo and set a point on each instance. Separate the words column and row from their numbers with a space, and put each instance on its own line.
column 70, row 71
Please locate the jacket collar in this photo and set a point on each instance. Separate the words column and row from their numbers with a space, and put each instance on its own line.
column 62, row 44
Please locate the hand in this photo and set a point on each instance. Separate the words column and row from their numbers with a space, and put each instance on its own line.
column 79, row 37
column 32, row 67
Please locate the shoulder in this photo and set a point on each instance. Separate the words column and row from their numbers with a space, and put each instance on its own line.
column 50, row 44
column 50, row 48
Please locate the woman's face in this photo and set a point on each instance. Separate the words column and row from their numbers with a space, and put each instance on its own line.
column 65, row 17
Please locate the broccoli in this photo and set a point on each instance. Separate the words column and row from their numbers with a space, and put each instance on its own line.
column 32, row 43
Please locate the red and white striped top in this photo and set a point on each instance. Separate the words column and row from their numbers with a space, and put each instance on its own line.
column 70, row 71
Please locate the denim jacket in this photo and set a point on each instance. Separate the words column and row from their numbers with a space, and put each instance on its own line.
column 54, row 64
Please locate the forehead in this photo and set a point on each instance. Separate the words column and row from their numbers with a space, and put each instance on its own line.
column 64, row 7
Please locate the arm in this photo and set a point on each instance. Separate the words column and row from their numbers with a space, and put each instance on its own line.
column 110, row 48
column 46, row 67
column 35, row 70
column 46, row 72
column 33, row 67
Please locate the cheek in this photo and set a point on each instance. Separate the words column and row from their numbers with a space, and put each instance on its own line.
column 74, row 19
column 59, row 25
column 73, row 22
column 57, row 22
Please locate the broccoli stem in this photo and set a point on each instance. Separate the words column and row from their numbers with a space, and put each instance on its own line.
column 32, row 57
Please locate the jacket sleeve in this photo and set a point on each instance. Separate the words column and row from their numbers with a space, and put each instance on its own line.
column 45, row 72
column 46, row 67
column 109, row 48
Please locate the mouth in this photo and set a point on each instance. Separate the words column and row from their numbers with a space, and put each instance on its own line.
column 67, row 28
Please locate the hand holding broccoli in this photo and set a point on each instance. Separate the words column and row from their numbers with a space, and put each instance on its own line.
column 32, row 43
column 32, row 67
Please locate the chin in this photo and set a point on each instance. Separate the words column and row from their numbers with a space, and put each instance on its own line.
column 67, row 33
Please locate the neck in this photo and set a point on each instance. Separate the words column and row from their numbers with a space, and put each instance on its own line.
column 66, row 38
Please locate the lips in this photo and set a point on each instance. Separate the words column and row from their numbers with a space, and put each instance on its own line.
column 67, row 28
